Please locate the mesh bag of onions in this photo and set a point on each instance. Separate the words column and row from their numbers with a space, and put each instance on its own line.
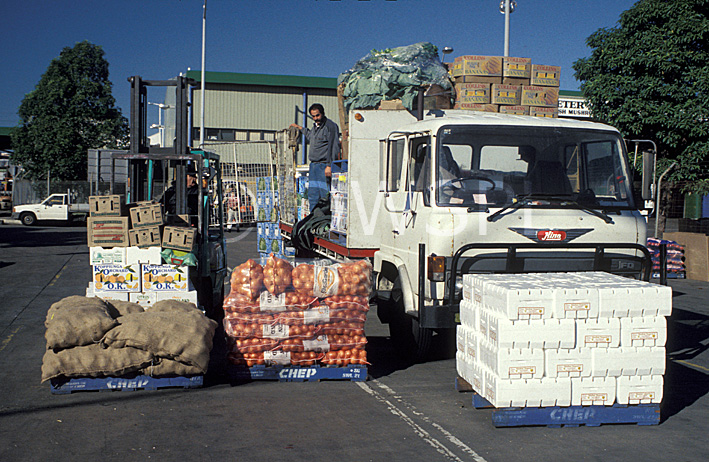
column 278, row 314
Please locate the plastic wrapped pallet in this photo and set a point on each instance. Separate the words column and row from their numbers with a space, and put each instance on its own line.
column 309, row 314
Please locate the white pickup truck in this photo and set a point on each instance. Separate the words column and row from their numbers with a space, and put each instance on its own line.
column 57, row 207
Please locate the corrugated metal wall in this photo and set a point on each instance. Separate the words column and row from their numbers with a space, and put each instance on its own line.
column 251, row 107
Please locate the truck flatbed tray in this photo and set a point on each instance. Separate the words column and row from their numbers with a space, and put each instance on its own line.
column 354, row 373
column 565, row 416
column 139, row 382
column 328, row 248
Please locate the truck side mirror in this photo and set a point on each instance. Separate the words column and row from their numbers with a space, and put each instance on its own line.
column 648, row 174
column 383, row 152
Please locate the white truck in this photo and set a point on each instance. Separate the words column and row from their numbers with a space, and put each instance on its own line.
column 56, row 207
column 470, row 192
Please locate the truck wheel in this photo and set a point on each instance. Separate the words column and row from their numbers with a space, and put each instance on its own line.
column 28, row 219
column 411, row 340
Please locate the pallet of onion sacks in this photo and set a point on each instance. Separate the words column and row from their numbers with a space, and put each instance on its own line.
column 94, row 344
column 298, row 322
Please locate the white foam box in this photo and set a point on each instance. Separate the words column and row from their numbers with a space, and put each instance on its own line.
column 468, row 314
column 519, row 300
column 472, row 347
column 189, row 296
column 571, row 300
column 462, row 367
column 568, row 362
column 477, row 377
column 102, row 255
column 103, row 295
column 147, row 255
column 628, row 361
column 538, row 333
column 543, row 392
column 643, row 299
column 643, row 332
column 512, row 363
column 645, row 389
column 593, row 391
column 116, row 278
column 144, row 299
column 599, row 333
column 461, row 338
column 165, row 278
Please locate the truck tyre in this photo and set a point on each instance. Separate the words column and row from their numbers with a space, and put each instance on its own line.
column 411, row 341
column 28, row 219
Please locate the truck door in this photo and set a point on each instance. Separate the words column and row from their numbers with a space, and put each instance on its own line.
column 54, row 208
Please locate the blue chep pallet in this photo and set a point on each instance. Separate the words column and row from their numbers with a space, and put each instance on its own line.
column 140, row 382
column 571, row 416
column 354, row 373
column 566, row 416
column 673, row 275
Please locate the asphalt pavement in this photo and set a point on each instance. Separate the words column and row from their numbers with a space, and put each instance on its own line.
column 403, row 412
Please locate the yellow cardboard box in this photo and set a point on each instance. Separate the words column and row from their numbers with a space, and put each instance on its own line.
column 517, row 67
column 506, row 94
column 534, row 95
column 546, row 76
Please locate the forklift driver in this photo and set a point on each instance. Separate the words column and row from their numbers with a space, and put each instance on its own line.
column 169, row 200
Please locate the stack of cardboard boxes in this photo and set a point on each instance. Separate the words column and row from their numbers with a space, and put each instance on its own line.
column 506, row 85
column 125, row 251
column 268, row 235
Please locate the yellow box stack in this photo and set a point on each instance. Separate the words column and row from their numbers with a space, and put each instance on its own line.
column 507, row 85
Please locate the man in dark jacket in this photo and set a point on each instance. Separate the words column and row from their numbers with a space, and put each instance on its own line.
column 324, row 141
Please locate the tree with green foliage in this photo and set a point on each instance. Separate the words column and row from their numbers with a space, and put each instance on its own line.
column 70, row 111
column 649, row 77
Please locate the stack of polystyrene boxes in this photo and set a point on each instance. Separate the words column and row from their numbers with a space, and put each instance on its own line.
column 302, row 203
column 268, row 236
column 561, row 339
column 506, row 84
column 338, row 202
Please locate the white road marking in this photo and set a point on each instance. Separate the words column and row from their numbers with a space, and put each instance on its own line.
column 418, row 430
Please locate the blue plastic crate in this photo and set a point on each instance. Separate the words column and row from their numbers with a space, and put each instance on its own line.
column 140, row 382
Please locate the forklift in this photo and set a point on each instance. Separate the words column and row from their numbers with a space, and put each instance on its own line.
column 152, row 170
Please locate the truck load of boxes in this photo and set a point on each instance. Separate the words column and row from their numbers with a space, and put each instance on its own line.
column 563, row 339
column 136, row 257
column 507, row 85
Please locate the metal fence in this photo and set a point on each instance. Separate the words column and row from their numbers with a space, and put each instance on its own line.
column 35, row 191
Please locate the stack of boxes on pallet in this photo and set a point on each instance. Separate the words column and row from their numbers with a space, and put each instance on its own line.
column 675, row 258
column 268, row 235
column 126, row 253
column 563, row 339
column 507, row 85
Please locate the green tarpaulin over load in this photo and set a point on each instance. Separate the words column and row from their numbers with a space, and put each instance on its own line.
column 395, row 73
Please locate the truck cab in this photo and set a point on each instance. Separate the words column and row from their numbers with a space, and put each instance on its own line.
column 466, row 192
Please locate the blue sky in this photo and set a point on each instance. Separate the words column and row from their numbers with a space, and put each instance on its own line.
column 158, row 39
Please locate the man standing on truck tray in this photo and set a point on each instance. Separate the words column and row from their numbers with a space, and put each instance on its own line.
column 324, row 141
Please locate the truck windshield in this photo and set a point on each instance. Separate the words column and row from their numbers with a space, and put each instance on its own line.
column 491, row 166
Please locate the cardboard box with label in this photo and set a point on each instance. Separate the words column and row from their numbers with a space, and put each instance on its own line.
column 546, row 76
column 481, row 65
column 107, row 232
column 105, row 206
column 473, row 93
column 144, row 299
column 101, row 255
column 477, row 107
column 506, row 94
column 516, row 110
column 189, row 296
column 148, row 236
column 551, row 112
column 520, row 68
column 116, row 278
column 178, row 238
column 157, row 278
column 534, row 95
column 143, row 214
column 104, row 295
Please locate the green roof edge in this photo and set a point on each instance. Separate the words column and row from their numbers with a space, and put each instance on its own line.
column 265, row 79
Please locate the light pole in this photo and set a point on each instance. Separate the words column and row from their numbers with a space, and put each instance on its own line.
column 160, row 125
column 204, row 96
column 507, row 7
